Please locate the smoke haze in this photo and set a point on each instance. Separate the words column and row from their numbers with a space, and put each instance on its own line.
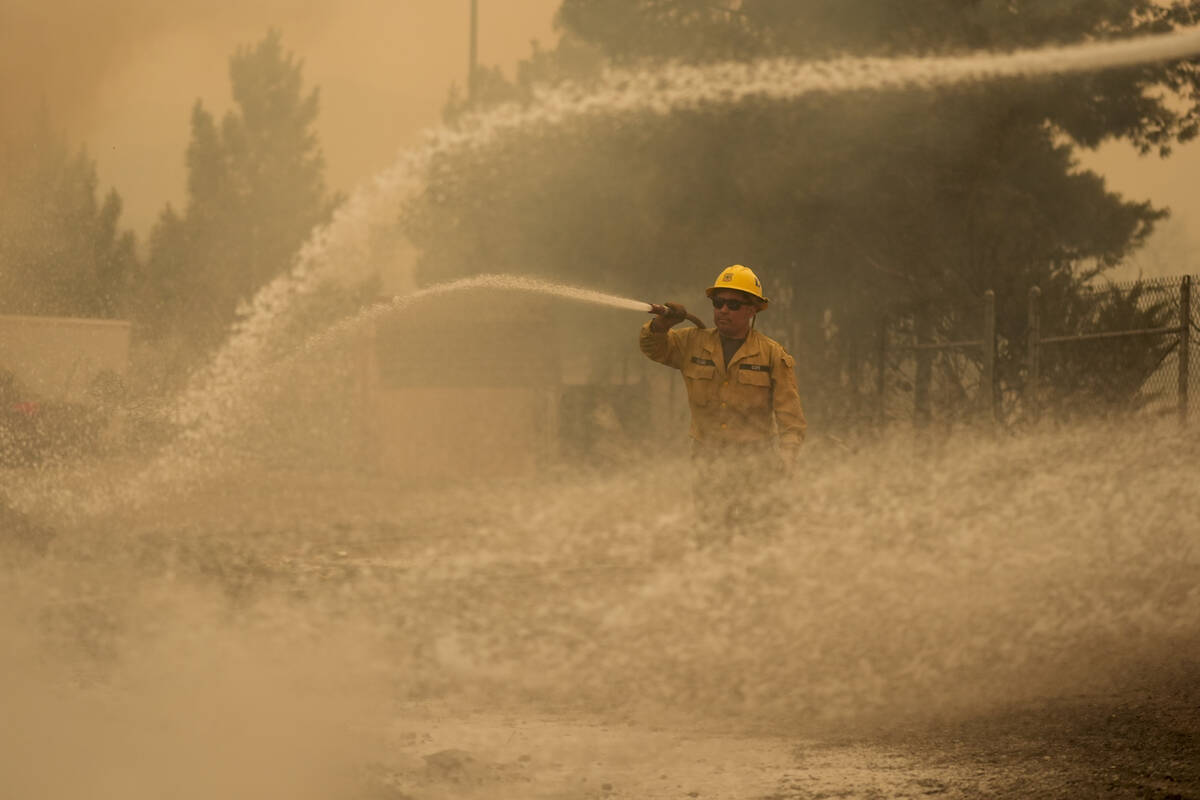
column 255, row 636
column 120, row 76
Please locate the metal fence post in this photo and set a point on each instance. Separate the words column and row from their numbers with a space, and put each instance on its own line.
column 1185, row 337
column 1033, row 345
column 881, row 378
column 925, row 353
column 987, row 383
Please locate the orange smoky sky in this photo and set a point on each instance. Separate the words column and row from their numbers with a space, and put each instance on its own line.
column 120, row 76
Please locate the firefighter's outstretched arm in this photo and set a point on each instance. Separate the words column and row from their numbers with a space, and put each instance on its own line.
column 657, row 341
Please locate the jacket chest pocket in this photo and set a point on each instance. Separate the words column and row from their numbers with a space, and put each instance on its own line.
column 753, row 385
column 699, row 375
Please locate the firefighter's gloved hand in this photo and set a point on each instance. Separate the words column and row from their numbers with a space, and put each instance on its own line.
column 675, row 314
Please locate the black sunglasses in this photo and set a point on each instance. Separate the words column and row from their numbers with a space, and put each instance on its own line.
column 734, row 305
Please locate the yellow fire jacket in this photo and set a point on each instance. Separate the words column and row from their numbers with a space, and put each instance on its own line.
column 748, row 402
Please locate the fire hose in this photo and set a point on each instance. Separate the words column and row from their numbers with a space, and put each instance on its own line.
column 662, row 310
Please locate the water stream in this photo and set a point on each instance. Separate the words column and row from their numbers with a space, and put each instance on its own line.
column 259, row 632
column 342, row 249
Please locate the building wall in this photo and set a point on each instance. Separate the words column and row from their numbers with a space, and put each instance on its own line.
column 436, row 432
column 504, row 384
column 464, row 388
column 58, row 358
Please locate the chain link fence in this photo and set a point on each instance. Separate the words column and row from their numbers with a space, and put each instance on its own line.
column 940, row 368
column 1120, row 349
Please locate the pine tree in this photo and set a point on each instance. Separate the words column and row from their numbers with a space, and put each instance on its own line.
column 255, row 191
column 62, row 252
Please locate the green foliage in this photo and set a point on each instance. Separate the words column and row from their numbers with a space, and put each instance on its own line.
column 61, row 250
column 913, row 202
column 255, row 191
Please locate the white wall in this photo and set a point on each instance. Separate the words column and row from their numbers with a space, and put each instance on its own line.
column 56, row 358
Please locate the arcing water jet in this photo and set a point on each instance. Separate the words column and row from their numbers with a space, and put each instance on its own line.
column 342, row 250
column 342, row 247
column 193, row 454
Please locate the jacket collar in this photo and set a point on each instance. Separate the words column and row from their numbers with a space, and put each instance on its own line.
column 753, row 346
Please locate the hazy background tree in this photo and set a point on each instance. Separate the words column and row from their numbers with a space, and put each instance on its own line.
column 255, row 191
column 62, row 252
column 906, row 202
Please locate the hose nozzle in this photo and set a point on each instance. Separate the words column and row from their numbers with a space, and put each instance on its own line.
column 663, row 310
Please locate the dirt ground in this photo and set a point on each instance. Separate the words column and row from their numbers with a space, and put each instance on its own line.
column 1134, row 746
column 427, row 576
column 1145, row 746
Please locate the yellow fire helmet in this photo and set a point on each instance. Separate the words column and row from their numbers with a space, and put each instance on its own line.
column 740, row 278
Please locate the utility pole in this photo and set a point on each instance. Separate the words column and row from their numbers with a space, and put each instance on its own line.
column 472, row 59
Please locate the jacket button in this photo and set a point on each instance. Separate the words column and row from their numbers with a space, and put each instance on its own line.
column 723, row 405
column 723, row 426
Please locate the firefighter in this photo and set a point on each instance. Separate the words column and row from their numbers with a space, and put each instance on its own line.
column 747, row 423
